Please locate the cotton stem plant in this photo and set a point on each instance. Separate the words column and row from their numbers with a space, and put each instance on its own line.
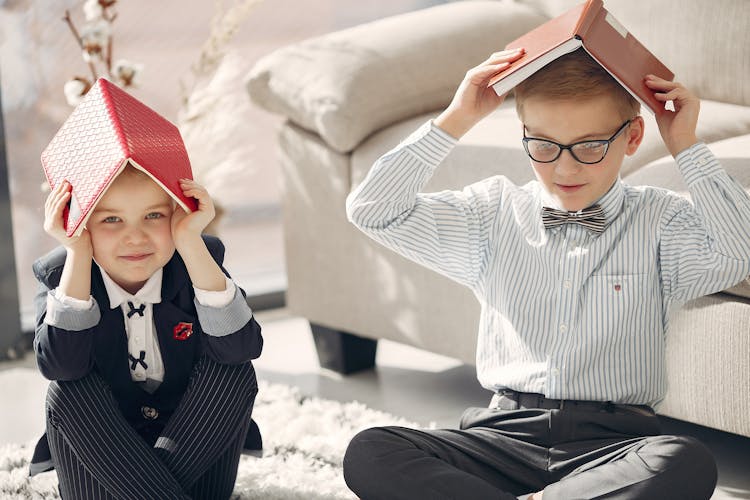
column 96, row 44
column 213, row 103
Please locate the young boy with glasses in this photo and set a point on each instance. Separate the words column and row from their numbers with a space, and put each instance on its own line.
column 575, row 274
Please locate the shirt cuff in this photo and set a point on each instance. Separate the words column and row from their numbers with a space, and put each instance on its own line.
column 224, row 320
column 213, row 298
column 697, row 162
column 71, row 314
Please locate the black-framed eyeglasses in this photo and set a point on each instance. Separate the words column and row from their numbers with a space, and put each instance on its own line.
column 588, row 152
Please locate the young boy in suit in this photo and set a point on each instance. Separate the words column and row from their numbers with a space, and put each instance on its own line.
column 148, row 343
column 575, row 273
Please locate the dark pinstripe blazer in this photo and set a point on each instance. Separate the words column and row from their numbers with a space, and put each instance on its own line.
column 62, row 355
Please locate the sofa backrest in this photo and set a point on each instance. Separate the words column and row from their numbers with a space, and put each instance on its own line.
column 706, row 43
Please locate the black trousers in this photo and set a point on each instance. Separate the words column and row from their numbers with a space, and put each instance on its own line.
column 98, row 455
column 582, row 451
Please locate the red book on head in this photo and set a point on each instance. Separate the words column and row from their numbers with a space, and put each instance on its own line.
column 108, row 130
column 591, row 26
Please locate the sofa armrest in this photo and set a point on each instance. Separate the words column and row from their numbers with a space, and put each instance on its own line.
column 347, row 84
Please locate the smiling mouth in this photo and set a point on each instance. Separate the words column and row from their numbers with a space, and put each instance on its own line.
column 570, row 188
column 136, row 257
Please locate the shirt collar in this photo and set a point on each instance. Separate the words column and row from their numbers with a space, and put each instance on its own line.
column 150, row 292
column 611, row 201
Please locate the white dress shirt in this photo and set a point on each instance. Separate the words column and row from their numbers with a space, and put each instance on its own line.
column 564, row 312
column 144, row 356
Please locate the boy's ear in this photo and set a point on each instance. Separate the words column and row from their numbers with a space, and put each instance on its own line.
column 634, row 135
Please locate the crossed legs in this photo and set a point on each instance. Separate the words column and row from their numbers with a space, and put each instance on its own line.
column 501, row 454
column 97, row 454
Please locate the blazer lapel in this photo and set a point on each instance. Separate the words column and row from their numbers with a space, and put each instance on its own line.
column 176, row 310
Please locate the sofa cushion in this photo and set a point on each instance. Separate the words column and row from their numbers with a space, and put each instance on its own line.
column 734, row 154
column 717, row 121
column 493, row 147
column 741, row 289
column 347, row 84
column 708, row 369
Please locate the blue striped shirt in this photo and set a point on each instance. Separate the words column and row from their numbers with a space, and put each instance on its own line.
column 564, row 312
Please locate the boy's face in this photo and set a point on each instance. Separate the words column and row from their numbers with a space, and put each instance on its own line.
column 131, row 231
column 575, row 185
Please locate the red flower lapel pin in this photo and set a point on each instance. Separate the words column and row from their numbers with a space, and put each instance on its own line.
column 182, row 331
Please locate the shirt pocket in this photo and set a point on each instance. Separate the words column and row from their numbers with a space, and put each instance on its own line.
column 619, row 286
column 616, row 301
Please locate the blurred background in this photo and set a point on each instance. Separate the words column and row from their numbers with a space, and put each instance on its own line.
column 231, row 144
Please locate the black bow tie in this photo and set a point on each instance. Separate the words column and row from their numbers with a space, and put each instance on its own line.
column 133, row 310
column 141, row 360
column 591, row 218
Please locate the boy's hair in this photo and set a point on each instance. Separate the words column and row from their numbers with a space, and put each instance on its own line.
column 137, row 173
column 131, row 171
column 573, row 76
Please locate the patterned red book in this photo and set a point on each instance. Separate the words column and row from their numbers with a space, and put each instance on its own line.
column 107, row 130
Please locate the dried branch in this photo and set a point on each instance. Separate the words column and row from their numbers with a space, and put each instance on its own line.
column 96, row 42
column 224, row 26
column 73, row 29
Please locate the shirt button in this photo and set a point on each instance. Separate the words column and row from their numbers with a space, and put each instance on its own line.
column 567, row 284
column 555, row 372
column 149, row 413
column 563, row 328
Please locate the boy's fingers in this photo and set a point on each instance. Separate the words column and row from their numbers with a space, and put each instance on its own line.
column 195, row 192
column 60, row 201
column 659, row 83
column 489, row 70
column 507, row 52
column 53, row 194
column 677, row 94
column 505, row 55
column 54, row 201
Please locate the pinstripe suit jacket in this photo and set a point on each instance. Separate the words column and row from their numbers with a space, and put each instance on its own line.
column 63, row 355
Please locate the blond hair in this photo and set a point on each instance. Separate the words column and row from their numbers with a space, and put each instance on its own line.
column 574, row 76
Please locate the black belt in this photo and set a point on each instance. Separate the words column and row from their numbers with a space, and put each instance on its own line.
column 533, row 400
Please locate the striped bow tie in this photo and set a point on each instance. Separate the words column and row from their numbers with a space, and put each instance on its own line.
column 591, row 218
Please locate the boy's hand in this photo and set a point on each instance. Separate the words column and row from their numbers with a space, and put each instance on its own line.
column 187, row 227
column 677, row 128
column 474, row 99
column 204, row 272
column 53, row 220
column 75, row 281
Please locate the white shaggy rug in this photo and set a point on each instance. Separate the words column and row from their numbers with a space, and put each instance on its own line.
column 304, row 440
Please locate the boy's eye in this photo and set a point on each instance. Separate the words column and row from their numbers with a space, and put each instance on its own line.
column 111, row 219
column 544, row 146
column 155, row 215
column 590, row 146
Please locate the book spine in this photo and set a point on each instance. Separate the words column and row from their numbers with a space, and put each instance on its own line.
column 115, row 120
column 590, row 12
column 625, row 58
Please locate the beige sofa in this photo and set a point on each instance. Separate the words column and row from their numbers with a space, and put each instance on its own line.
column 352, row 95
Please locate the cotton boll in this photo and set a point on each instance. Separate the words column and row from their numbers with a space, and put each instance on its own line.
column 126, row 72
column 74, row 91
column 94, row 37
column 93, row 10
